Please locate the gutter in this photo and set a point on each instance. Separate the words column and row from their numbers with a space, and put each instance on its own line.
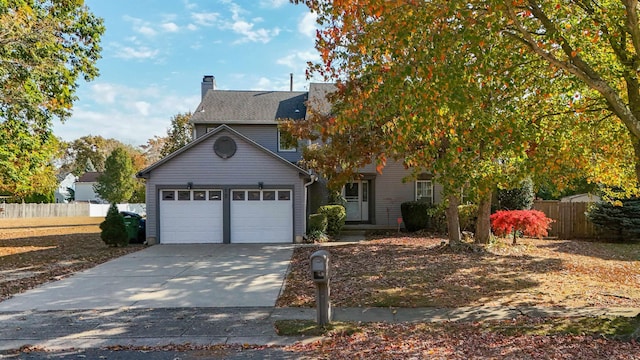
column 314, row 178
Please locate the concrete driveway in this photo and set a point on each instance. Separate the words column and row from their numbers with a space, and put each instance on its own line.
column 169, row 276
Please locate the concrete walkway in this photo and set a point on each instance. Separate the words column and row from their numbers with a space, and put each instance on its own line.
column 169, row 276
column 86, row 329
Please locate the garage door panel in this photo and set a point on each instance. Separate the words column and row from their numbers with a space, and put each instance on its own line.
column 266, row 219
column 196, row 219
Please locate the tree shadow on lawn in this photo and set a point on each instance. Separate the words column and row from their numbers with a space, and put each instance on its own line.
column 617, row 251
column 415, row 276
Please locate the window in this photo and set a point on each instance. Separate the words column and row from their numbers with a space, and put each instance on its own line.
column 284, row 195
column 238, row 195
column 268, row 195
column 199, row 195
column 215, row 195
column 254, row 195
column 168, row 195
column 184, row 195
column 286, row 141
column 424, row 190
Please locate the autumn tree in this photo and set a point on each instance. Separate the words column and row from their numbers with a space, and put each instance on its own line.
column 118, row 182
column 179, row 134
column 45, row 48
column 594, row 44
column 442, row 87
column 416, row 84
column 89, row 153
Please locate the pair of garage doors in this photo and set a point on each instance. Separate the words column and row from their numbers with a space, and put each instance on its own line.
column 198, row 216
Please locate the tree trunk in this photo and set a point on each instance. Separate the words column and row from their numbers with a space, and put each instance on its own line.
column 453, row 220
column 483, row 224
column 636, row 148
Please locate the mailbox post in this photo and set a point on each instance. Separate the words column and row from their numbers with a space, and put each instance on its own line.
column 320, row 273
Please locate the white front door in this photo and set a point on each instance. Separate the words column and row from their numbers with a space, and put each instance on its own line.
column 357, row 196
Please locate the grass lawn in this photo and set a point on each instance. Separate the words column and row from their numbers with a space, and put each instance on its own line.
column 38, row 250
column 417, row 272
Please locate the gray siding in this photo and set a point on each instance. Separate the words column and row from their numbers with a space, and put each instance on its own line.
column 391, row 191
column 204, row 169
column 265, row 135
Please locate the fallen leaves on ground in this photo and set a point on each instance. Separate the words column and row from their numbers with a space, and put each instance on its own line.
column 36, row 251
column 459, row 341
column 417, row 272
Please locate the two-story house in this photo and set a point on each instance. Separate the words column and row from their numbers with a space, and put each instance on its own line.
column 238, row 181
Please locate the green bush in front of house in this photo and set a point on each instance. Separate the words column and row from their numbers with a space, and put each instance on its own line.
column 336, row 216
column 415, row 215
column 468, row 215
column 114, row 231
column 317, row 222
column 421, row 215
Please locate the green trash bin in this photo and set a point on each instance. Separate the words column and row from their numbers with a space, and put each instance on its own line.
column 131, row 223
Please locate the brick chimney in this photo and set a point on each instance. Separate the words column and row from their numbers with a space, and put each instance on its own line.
column 208, row 83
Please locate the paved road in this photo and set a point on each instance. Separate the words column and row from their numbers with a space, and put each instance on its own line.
column 169, row 276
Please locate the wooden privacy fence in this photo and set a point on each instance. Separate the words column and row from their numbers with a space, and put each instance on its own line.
column 571, row 220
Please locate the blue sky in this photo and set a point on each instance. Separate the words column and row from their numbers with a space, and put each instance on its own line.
column 155, row 53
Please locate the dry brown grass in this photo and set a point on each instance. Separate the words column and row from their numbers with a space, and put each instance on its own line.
column 37, row 250
column 417, row 272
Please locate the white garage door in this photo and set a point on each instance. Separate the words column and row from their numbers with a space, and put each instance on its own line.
column 190, row 216
column 261, row 216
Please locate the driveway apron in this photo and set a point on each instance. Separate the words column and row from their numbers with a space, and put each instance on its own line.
column 169, row 276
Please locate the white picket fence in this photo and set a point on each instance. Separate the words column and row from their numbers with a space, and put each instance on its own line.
column 61, row 210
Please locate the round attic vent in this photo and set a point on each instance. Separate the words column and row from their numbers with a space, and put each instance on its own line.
column 224, row 147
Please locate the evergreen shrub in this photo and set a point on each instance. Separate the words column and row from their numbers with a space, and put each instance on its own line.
column 114, row 231
column 336, row 217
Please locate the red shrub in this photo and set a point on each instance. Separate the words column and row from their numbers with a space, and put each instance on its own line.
column 530, row 222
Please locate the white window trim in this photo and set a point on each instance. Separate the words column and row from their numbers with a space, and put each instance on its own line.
column 430, row 184
column 280, row 149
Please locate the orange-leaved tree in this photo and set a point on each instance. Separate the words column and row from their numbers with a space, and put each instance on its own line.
column 437, row 86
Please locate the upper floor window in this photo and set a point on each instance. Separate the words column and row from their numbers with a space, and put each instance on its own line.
column 424, row 190
column 286, row 141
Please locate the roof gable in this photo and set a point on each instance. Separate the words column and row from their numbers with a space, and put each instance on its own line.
column 91, row 176
column 143, row 173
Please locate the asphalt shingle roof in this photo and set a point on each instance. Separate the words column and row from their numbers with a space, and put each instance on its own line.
column 250, row 107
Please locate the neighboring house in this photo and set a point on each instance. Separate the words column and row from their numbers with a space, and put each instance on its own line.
column 586, row 197
column 84, row 188
column 62, row 192
column 238, row 182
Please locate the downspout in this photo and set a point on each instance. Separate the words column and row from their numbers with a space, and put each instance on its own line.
column 314, row 178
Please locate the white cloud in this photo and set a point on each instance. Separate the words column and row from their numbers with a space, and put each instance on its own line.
column 170, row 27
column 142, row 107
column 205, row 18
column 307, row 25
column 246, row 29
column 189, row 5
column 192, row 27
column 273, row 3
column 264, row 84
column 138, row 115
column 146, row 30
column 298, row 60
column 139, row 53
